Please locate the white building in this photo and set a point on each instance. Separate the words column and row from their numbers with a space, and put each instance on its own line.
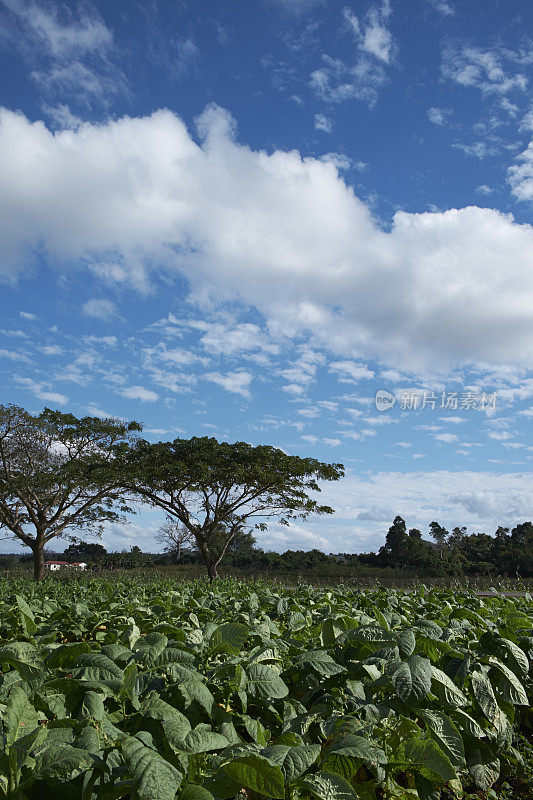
column 53, row 566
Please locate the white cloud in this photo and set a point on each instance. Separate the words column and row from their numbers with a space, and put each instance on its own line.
column 311, row 439
column 439, row 116
column 40, row 391
column 447, row 438
column 27, row 315
column 350, row 371
column 139, row 393
column 483, row 69
column 480, row 149
column 72, row 49
column 323, row 123
column 51, row 349
column 237, row 382
column 336, row 80
column 520, row 175
column 372, row 35
column 71, row 36
column 106, row 341
column 292, row 537
column 296, row 6
column 94, row 410
column 14, row 355
column 280, row 233
column 293, row 388
column 480, row 500
column 484, row 189
column 99, row 309
column 443, row 7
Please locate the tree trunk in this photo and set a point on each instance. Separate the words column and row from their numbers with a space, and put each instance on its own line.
column 38, row 563
column 206, row 555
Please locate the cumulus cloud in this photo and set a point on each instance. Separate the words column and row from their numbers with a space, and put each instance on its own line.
column 237, row 382
column 279, row 232
column 480, row 500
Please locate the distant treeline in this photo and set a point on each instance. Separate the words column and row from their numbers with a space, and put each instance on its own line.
column 448, row 553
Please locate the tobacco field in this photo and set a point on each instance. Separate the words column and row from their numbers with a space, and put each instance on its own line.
column 112, row 689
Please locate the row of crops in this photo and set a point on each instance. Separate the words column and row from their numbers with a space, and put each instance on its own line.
column 115, row 690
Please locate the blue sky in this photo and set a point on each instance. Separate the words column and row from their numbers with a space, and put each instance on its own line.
column 244, row 219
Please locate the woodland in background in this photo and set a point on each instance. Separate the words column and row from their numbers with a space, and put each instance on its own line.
column 450, row 553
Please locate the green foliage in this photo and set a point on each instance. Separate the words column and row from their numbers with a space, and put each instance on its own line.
column 195, row 692
column 57, row 475
column 214, row 490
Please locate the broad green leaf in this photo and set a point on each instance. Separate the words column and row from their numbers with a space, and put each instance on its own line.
column 445, row 689
column 28, row 619
column 328, row 786
column 154, row 707
column 412, row 679
column 67, row 655
column 257, row 773
column 320, row 662
column 59, row 760
column 446, row 735
column 265, row 683
column 191, row 792
column 426, row 789
column 20, row 717
column 96, row 667
column 346, row 755
column 201, row 741
column 483, row 765
column 406, row 642
column 293, row 761
column 148, row 648
column 153, row 777
column 197, row 691
column 508, row 685
column 228, row 638
column 468, row 724
column 484, row 694
column 330, row 631
column 427, row 753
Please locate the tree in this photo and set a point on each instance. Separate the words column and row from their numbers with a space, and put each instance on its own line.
column 85, row 551
column 395, row 541
column 439, row 534
column 216, row 489
column 174, row 536
column 47, row 475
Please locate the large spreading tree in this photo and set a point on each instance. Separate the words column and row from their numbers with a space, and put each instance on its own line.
column 48, row 485
column 216, row 489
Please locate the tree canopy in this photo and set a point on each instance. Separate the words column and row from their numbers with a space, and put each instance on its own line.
column 216, row 489
column 47, row 485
